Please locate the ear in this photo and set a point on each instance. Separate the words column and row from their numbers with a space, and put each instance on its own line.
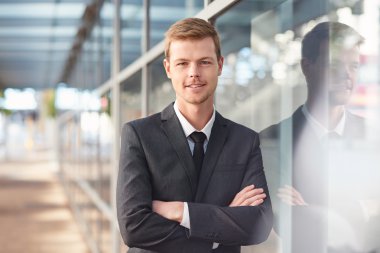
column 220, row 65
column 167, row 67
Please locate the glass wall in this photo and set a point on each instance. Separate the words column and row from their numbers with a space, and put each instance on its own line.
column 131, row 30
column 130, row 98
column 263, row 83
column 324, row 190
column 161, row 92
column 165, row 13
column 105, row 32
column 249, row 92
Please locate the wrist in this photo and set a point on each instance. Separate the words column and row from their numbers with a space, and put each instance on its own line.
column 179, row 212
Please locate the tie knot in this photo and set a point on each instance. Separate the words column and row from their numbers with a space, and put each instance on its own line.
column 198, row 137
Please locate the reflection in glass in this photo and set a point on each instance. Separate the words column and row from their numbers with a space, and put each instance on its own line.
column 164, row 13
column 104, row 159
column 131, row 31
column 130, row 98
column 254, row 66
column 309, row 177
column 105, row 38
column 161, row 91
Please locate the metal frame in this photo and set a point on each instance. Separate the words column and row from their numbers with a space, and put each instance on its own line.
column 116, row 121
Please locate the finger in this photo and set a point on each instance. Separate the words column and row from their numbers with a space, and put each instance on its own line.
column 298, row 199
column 287, row 192
column 293, row 190
column 257, row 202
column 245, row 189
column 285, row 189
column 286, row 199
column 235, row 202
column 242, row 199
column 247, row 192
column 249, row 201
column 289, row 199
column 252, row 193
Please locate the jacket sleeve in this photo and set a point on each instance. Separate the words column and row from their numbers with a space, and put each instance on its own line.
column 244, row 225
column 139, row 226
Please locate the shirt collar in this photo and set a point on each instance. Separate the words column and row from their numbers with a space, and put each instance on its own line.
column 188, row 128
column 319, row 129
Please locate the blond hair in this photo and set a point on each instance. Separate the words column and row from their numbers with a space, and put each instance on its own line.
column 191, row 29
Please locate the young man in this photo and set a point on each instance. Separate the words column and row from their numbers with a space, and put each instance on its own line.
column 189, row 179
column 302, row 181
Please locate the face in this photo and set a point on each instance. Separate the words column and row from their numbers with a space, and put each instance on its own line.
column 333, row 75
column 193, row 68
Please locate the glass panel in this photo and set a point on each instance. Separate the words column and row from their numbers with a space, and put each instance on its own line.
column 309, row 174
column 106, row 33
column 250, row 52
column 164, row 13
column 130, row 98
column 106, row 133
column 131, row 31
column 161, row 90
column 88, row 63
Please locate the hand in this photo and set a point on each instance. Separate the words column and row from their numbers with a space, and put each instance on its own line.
column 171, row 210
column 291, row 196
column 249, row 196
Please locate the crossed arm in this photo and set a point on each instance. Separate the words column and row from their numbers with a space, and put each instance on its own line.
column 154, row 225
column 173, row 210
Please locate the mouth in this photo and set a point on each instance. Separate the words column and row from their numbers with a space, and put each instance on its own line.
column 195, row 85
column 343, row 86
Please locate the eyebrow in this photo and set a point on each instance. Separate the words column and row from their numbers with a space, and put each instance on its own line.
column 203, row 58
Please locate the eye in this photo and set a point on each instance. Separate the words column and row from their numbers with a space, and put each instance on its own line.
column 181, row 64
column 354, row 66
column 204, row 62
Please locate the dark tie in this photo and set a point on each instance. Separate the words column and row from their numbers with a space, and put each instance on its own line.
column 198, row 153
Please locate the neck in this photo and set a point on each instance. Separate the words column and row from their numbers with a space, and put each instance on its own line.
column 197, row 114
column 327, row 115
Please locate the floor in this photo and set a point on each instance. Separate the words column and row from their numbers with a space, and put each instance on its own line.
column 34, row 212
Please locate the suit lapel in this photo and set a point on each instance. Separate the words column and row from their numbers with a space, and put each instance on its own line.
column 173, row 130
column 214, row 148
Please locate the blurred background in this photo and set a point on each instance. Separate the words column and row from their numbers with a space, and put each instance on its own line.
column 73, row 71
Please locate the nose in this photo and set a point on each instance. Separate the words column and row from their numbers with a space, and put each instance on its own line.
column 347, row 72
column 194, row 70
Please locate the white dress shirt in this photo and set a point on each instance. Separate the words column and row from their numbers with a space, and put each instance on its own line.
column 319, row 129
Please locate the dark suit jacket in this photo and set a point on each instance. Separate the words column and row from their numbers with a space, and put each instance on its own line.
column 293, row 155
column 156, row 164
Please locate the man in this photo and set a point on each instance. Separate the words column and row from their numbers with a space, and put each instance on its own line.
column 169, row 201
column 305, row 211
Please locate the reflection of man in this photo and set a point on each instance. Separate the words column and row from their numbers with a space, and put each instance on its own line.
column 169, row 201
column 330, row 60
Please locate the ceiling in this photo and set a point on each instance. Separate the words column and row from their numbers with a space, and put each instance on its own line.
column 40, row 40
column 35, row 40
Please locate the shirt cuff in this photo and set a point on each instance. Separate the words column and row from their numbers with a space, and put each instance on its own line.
column 215, row 245
column 185, row 216
column 186, row 221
